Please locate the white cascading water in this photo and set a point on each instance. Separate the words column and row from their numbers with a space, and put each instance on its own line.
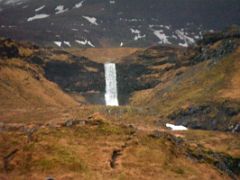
column 111, row 95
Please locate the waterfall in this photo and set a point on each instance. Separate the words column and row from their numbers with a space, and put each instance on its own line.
column 111, row 94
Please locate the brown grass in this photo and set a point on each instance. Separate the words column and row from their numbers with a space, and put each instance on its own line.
column 84, row 152
column 60, row 57
column 23, row 85
column 198, row 84
column 103, row 55
column 232, row 91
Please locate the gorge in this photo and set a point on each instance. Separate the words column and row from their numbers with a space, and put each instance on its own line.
column 164, row 112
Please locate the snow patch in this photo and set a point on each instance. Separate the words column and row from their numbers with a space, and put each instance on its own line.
column 168, row 27
column 137, row 34
column 187, row 40
column 80, row 4
column 74, row 29
column 67, row 43
column 90, row 44
column 176, row 128
column 92, row 20
column 40, row 8
column 84, row 42
column 58, row 43
column 211, row 31
column 197, row 37
column 183, row 44
column 38, row 16
column 112, row 1
column 161, row 36
column 13, row 2
column 60, row 9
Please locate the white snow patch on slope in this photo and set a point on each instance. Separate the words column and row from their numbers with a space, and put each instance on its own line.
column 12, row 2
column 60, row 9
column 183, row 44
column 81, row 42
column 176, row 128
column 78, row 5
column 137, row 34
column 85, row 42
column 58, row 43
column 112, row 1
column 197, row 37
column 92, row 20
column 187, row 40
column 161, row 36
column 67, row 43
column 40, row 8
column 168, row 27
column 38, row 16
column 90, row 44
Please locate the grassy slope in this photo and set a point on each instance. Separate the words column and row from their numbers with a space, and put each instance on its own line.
column 23, row 88
column 85, row 152
column 203, row 82
column 102, row 55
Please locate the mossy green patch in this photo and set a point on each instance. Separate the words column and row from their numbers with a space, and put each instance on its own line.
column 60, row 157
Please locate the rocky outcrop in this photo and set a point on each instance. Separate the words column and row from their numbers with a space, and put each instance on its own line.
column 210, row 116
column 223, row 162
column 81, row 75
column 146, row 69
column 161, row 64
column 233, row 32
column 216, row 45
column 13, row 49
column 197, row 153
column 8, row 49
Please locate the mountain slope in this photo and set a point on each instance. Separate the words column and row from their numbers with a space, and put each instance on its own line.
column 205, row 94
column 115, row 23
column 24, row 85
column 45, row 134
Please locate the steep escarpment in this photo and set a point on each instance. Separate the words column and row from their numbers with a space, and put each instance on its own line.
column 79, row 75
column 197, row 95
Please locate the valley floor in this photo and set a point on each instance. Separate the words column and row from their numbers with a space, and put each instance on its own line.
column 95, row 142
column 50, row 130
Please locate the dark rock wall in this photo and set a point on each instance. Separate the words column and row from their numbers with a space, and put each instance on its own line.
column 210, row 116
